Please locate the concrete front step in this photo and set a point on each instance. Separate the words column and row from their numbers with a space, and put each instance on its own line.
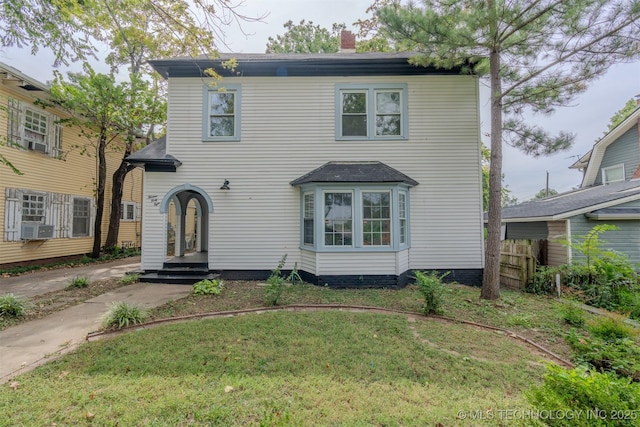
column 176, row 279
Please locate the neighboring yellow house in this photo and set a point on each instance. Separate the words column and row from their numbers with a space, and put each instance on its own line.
column 49, row 211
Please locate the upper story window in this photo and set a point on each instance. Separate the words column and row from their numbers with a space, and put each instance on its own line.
column 613, row 174
column 33, row 129
column 371, row 112
column 221, row 121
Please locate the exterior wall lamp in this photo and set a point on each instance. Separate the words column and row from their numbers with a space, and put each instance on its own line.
column 225, row 185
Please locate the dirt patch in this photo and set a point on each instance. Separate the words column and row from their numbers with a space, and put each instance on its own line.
column 51, row 302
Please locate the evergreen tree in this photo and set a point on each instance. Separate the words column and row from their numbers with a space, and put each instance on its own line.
column 537, row 55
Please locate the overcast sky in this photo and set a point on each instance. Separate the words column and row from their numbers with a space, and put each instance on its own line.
column 587, row 117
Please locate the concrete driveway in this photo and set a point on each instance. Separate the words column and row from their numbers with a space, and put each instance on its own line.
column 30, row 344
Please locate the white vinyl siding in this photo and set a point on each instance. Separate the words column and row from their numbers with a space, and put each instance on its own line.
column 288, row 129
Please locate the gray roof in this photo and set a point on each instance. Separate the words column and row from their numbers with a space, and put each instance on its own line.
column 573, row 202
column 154, row 157
column 355, row 172
column 282, row 65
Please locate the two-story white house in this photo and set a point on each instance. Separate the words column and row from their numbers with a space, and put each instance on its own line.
column 359, row 167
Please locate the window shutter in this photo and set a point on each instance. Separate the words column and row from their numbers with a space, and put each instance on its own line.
column 14, row 123
column 12, row 215
column 56, row 141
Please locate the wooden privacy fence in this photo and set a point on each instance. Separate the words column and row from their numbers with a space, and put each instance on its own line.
column 518, row 259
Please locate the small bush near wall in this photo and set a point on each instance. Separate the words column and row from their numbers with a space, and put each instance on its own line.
column 431, row 288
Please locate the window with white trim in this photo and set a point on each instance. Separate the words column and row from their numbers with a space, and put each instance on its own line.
column 33, row 205
column 81, row 217
column 367, row 217
column 371, row 112
column 221, row 120
column 33, row 129
column 613, row 174
column 129, row 211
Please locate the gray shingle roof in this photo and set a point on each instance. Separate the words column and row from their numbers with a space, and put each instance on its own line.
column 154, row 156
column 354, row 172
column 564, row 204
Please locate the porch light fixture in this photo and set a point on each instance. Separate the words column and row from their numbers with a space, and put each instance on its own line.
column 225, row 185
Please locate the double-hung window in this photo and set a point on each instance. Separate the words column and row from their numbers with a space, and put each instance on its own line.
column 128, row 211
column 338, row 219
column 221, row 120
column 308, row 200
column 81, row 217
column 376, row 218
column 371, row 112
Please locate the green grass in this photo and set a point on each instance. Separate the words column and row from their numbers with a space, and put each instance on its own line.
column 313, row 368
column 533, row 316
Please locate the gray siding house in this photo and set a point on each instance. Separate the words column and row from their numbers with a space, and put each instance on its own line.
column 359, row 167
column 609, row 193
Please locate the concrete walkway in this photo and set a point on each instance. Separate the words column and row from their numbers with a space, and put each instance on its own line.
column 30, row 344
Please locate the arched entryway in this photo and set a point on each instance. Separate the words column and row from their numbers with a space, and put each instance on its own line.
column 187, row 209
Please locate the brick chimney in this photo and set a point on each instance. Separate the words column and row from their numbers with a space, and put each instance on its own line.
column 347, row 42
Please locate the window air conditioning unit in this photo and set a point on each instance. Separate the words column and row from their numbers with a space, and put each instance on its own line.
column 36, row 232
column 37, row 146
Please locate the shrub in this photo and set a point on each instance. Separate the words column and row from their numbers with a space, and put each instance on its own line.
column 572, row 314
column 610, row 350
column 121, row 315
column 11, row 306
column 596, row 397
column 78, row 282
column 431, row 288
column 128, row 279
column 275, row 284
column 612, row 328
column 208, row 287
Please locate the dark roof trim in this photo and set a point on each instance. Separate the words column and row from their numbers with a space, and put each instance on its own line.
column 283, row 65
column 619, row 214
column 350, row 172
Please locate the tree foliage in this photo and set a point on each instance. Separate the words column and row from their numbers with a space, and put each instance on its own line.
column 620, row 115
column 537, row 54
column 104, row 110
column 545, row 192
column 306, row 37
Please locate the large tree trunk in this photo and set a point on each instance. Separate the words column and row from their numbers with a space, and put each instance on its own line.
column 100, row 190
column 116, row 199
column 491, row 279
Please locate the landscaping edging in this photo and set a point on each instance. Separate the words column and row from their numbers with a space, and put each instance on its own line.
column 92, row 336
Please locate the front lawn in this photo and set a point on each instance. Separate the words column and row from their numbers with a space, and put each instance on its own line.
column 281, row 368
